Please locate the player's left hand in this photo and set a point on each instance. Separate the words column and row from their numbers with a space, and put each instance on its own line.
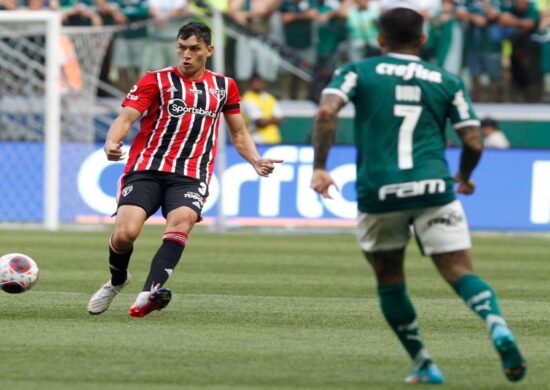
column 464, row 187
column 321, row 182
column 265, row 166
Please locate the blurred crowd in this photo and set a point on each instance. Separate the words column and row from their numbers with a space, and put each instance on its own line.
column 500, row 47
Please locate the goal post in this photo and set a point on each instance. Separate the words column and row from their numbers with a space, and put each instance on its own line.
column 52, row 107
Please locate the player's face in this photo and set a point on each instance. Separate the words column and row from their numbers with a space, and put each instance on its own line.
column 192, row 54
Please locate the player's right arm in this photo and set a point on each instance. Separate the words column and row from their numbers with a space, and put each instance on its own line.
column 137, row 101
column 335, row 96
column 324, row 130
column 118, row 131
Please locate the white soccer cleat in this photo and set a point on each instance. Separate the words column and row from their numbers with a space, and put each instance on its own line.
column 100, row 301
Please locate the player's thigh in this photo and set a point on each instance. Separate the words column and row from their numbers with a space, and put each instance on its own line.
column 383, row 232
column 184, row 192
column 442, row 229
column 142, row 189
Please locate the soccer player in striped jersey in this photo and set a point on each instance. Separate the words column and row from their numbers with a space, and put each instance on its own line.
column 402, row 105
column 170, row 162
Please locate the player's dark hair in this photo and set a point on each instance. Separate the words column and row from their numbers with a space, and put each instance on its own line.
column 198, row 29
column 401, row 27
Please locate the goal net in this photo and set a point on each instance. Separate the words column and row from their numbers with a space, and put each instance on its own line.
column 48, row 109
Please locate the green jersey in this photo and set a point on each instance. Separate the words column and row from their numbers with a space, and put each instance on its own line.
column 401, row 109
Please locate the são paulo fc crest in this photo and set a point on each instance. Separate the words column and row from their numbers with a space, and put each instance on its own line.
column 127, row 190
column 202, row 188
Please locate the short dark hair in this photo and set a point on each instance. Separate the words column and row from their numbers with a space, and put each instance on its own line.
column 489, row 122
column 198, row 29
column 401, row 27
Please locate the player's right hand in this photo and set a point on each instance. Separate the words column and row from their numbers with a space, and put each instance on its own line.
column 113, row 150
column 464, row 187
column 321, row 182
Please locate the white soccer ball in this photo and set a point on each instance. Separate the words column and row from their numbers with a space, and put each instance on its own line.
column 18, row 273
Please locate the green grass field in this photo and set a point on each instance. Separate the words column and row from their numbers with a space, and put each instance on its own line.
column 277, row 310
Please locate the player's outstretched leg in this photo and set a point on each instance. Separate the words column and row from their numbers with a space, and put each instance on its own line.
column 100, row 301
column 401, row 316
column 482, row 299
column 148, row 301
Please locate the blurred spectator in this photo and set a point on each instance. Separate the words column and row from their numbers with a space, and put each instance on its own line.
column 445, row 44
column 167, row 18
column 298, row 17
column 492, row 136
column 129, row 44
column 544, row 31
column 427, row 8
column 78, row 12
column 262, row 112
column 484, row 38
column 8, row 5
column 110, row 15
column 331, row 31
column 521, row 21
column 252, row 56
column 206, row 6
column 362, row 29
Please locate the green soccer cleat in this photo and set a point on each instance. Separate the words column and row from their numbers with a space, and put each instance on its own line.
column 514, row 364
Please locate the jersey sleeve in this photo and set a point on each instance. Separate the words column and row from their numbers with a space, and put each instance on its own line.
column 233, row 103
column 343, row 83
column 143, row 93
column 462, row 112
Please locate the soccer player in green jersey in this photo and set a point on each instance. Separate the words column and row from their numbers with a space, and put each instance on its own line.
column 402, row 105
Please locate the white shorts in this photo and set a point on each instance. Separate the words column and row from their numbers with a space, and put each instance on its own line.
column 439, row 229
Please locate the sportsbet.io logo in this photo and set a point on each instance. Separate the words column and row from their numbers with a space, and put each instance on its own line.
column 177, row 108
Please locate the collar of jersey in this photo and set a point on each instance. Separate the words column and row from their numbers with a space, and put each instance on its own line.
column 409, row 57
column 181, row 76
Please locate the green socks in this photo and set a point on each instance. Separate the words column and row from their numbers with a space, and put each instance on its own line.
column 400, row 315
column 481, row 298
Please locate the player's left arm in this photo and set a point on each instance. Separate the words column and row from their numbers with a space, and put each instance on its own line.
column 243, row 142
column 324, row 130
column 472, row 147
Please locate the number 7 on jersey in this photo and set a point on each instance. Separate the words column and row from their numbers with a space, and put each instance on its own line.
column 411, row 114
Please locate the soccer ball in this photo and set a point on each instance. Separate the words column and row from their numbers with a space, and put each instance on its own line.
column 18, row 273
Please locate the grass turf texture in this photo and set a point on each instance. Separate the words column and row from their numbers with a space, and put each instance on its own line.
column 260, row 311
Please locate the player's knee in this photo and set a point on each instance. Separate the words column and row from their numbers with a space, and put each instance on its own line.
column 183, row 226
column 124, row 237
column 453, row 265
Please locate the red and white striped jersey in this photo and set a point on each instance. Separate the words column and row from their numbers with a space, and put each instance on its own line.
column 179, row 129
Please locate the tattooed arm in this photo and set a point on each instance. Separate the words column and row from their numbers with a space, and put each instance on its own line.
column 471, row 154
column 324, row 129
